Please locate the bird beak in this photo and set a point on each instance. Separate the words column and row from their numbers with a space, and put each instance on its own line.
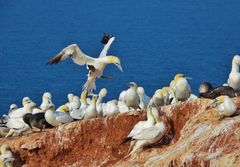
column 213, row 104
column 189, row 78
column 119, row 67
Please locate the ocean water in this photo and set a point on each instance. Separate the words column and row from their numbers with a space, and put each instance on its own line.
column 154, row 40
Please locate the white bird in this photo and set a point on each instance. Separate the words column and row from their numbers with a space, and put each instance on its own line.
column 50, row 117
column 12, row 107
column 181, row 88
column 62, row 115
column 234, row 76
column 141, row 125
column 91, row 110
column 149, row 135
column 144, row 99
column 15, row 122
column 74, row 109
column 28, row 105
column 70, row 99
column 122, row 96
column 111, row 108
column 6, row 157
column 132, row 98
column 225, row 106
column 100, row 104
column 158, row 98
column 123, row 108
column 96, row 66
column 46, row 101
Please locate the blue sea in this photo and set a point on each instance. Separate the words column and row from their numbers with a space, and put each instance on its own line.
column 154, row 40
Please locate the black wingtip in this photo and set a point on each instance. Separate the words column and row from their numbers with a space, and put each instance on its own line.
column 106, row 38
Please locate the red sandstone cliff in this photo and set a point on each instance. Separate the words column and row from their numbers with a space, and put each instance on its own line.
column 198, row 141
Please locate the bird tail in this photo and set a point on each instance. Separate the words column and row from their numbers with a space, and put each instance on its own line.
column 124, row 140
column 90, row 85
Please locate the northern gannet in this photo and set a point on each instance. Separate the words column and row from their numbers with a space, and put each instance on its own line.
column 225, row 106
column 15, row 122
column 234, row 76
column 96, row 66
column 100, row 104
column 70, row 99
column 16, row 125
column 181, row 88
column 132, row 98
column 149, row 135
column 111, row 108
column 74, row 109
column 91, row 110
column 123, row 108
column 46, row 101
column 122, row 96
column 50, row 117
column 6, row 157
column 206, row 90
column 159, row 98
column 28, row 105
column 62, row 115
column 144, row 99
column 36, row 120
column 141, row 125
column 12, row 107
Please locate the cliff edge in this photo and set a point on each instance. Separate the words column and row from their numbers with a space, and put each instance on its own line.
column 198, row 140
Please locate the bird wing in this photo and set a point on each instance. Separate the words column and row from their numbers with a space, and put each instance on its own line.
column 77, row 114
column 15, row 124
column 63, row 117
column 106, row 47
column 73, row 52
column 148, row 134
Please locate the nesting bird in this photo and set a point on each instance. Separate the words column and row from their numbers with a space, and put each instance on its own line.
column 234, row 76
column 206, row 90
column 131, row 97
column 225, row 106
column 95, row 66
column 6, row 157
column 46, row 101
column 150, row 135
column 36, row 120
column 91, row 110
column 100, row 104
column 181, row 88
column 144, row 99
column 15, row 122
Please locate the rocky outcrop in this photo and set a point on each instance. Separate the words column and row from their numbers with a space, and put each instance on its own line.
column 200, row 140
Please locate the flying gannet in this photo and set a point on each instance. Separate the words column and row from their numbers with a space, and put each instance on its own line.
column 234, row 76
column 95, row 66
column 6, row 157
